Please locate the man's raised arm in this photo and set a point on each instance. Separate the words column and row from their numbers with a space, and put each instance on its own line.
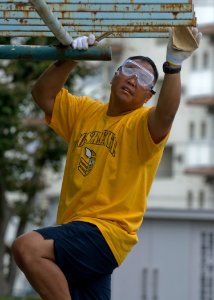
column 161, row 118
column 53, row 79
column 50, row 83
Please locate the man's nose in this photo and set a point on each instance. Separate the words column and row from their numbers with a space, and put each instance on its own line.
column 133, row 79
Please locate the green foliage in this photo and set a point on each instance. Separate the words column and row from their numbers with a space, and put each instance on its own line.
column 17, row 162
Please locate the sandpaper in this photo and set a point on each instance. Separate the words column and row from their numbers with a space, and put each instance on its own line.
column 184, row 39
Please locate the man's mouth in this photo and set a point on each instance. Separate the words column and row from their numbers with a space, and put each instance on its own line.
column 127, row 90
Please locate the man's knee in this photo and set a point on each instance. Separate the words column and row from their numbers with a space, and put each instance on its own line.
column 22, row 249
column 30, row 247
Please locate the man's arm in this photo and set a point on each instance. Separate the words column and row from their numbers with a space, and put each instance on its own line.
column 50, row 83
column 161, row 118
column 53, row 79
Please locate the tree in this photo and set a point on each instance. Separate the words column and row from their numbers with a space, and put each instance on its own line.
column 26, row 150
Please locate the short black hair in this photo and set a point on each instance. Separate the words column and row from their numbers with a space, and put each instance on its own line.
column 150, row 61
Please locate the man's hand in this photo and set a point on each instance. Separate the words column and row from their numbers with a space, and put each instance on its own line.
column 176, row 57
column 83, row 42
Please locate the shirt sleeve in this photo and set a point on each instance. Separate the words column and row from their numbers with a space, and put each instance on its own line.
column 147, row 148
column 66, row 109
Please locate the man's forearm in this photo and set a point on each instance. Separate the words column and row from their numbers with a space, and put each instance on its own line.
column 169, row 98
column 161, row 118
column 50, row 83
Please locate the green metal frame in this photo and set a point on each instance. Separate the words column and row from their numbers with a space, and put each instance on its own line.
column 53, row 53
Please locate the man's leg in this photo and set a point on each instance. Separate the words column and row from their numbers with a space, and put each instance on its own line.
column 35, row 257
column 99, row 289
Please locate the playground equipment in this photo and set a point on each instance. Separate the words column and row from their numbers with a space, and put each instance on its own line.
column 67, row 19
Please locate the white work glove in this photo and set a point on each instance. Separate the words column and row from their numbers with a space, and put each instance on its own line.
column 176, row 57
column 83, row 42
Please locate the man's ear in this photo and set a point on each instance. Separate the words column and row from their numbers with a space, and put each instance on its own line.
column 148, row 96
column 115, row 74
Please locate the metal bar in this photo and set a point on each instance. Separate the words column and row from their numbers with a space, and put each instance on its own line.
column 152, row 34
column 53, row 53
column 68, row 16
column 79, row 18
column 106, row 25
column 106, row 1
column 52, row 22
column 103, row 7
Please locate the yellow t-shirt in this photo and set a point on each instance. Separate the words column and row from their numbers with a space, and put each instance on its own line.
column 110, row 166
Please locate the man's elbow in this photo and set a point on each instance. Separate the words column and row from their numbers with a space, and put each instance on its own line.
column 34, row 94
column 44, row 102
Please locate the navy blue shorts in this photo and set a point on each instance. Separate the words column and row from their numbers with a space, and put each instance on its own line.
column 84, row 257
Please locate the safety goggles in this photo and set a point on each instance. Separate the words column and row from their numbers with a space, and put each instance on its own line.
column 144, row 77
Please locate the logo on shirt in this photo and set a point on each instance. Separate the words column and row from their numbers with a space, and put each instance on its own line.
column 102, row 138
column 87, row 162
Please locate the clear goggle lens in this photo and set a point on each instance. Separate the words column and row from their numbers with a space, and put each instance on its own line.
column 144, row 77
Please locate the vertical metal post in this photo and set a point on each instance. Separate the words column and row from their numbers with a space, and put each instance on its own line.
column 52, row 22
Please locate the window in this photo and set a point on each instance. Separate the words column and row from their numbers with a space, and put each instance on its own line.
column 203, row 130
column 189, row 199
column 194, row 62
column 205, row 60
column 166, row 165
column 191, row 130
column 153, row 275
column 206, row 266
column 145, row 284
column 161, row 41
column 201, row 199
column 155, row 284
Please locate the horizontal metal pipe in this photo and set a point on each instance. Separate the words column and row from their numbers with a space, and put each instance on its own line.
column 54, row 53
column 52, row 22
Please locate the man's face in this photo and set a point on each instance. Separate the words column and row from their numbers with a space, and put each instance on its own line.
column 131, row 85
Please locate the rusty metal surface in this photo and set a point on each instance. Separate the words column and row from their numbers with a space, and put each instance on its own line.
column 125, row 18
column 96, row 7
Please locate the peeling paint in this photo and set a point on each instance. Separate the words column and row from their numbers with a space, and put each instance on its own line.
column 175, row 7
column 139, row 6
column 86, row 16
column 20, row 6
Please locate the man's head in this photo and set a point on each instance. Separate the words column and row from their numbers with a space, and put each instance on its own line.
column 132, row 84
column 151, row 63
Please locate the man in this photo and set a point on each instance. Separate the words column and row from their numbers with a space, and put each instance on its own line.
column 113, row 154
